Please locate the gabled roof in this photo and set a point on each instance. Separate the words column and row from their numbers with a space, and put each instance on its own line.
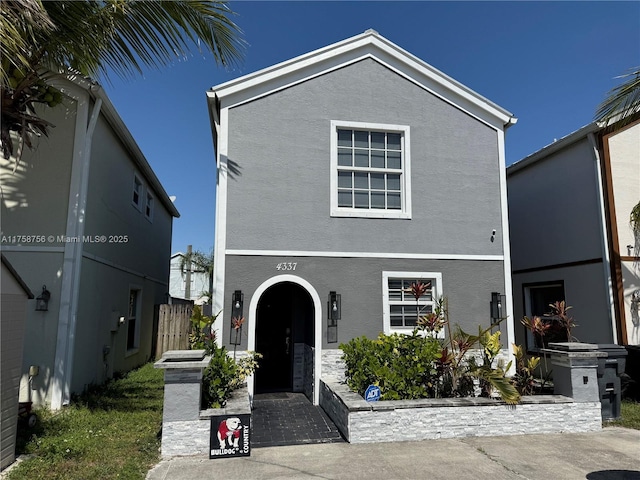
column 369, row 44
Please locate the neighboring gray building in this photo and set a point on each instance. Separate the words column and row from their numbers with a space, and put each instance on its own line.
column 84, row 215
column 571, row 239
column 354, row 169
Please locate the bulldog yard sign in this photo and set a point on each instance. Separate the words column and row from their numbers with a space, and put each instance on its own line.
column 230, row 436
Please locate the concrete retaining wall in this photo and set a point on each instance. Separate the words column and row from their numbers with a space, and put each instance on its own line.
column 402, row 420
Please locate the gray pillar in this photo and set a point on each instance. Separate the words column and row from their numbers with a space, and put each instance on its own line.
column 575, row 370
column 182, row 383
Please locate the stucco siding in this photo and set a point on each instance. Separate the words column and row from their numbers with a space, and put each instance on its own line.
column 104, row 299
column 41, row 329
column 466, row 284
column 286, row 137
column 585, row 291
column 554, row 210
column 624, row 152
column 131, row 239
column 40, row 181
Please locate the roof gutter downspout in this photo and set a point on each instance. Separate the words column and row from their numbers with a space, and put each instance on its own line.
column 606, row 255
column 61, row 393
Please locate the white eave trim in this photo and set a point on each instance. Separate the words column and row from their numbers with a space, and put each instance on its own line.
column 367, row 45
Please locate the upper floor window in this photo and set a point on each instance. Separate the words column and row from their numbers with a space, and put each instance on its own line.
column 137, row 192
column 148, row 207
column 370, row 170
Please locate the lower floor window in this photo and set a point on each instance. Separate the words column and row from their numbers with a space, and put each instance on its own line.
column 401, row 309
column 133, row 320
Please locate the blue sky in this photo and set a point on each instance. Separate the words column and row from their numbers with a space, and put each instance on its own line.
column 549, row 63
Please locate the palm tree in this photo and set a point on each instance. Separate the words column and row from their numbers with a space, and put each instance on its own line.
column 622, row 103
column 41, row 40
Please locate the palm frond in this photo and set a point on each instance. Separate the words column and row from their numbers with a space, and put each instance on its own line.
column 622, row 102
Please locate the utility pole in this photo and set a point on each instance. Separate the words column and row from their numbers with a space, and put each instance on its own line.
column 187, row 281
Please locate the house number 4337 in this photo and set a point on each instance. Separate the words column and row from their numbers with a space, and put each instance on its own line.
column 286, row 266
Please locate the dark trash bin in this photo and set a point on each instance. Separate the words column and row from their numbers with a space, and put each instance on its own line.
column 610, row 368
column 631, row 382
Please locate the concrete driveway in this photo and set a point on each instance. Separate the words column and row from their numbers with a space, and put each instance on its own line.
column 611, row 454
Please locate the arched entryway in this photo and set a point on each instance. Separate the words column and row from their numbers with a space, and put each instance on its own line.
column 284, row 338
column 285, row 317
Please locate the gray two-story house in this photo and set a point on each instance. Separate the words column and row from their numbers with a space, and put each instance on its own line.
column 344, row 175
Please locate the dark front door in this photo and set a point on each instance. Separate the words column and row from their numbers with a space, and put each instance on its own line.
column 274, row 339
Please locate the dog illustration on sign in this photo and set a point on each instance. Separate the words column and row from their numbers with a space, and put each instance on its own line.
column 229, row 432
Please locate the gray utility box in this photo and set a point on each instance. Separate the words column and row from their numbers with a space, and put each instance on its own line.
column 609, row 370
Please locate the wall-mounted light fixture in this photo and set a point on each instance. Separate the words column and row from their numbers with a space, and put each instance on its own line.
column 497, row 305
column 334, row 312
column 237, row 318
column 42, row 301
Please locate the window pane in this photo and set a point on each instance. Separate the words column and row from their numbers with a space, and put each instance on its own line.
column 377, row 159
column 393, row 201
column 344, row 157
column 361, row 158
column 377, row 181
column 393, row 141
column 377, row 140
column 396, row 321
column 361, row 139
column 344, row 179
column 377, row 200
column 361, row 180
column 344, row 138
column 344, row 198
column 395, row 309
column 393, row 160
column 393, row 182
column 395, row 284
column 361, row 199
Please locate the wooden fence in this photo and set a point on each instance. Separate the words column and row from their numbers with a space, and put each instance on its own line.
column 173, row 327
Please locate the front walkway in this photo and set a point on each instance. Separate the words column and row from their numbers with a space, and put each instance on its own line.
column 286, row 418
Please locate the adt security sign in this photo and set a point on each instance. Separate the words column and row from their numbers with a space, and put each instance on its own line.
column 372, row 394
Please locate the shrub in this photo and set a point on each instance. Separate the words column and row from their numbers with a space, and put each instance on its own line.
column 401, row 365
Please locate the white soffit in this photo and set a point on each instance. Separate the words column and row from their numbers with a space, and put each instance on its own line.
column 369, row 44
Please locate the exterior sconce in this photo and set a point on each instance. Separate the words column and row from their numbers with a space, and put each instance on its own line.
column 334, row 309
column 237, row 318
column 42, row 301
column 497, row 307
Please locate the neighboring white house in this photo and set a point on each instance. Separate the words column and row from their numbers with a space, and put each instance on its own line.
column 13, row 305
column 344, row 175
column 85, row 218
column 199, row 282
column 571, row 239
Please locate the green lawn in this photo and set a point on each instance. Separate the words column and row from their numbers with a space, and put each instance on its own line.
column 629, row 415
column 109, row 432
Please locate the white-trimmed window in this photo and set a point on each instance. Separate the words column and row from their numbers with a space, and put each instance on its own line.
column 148, row 206
column 370, row 170
column 136, row 199
column 133, row 319
column 400, row 309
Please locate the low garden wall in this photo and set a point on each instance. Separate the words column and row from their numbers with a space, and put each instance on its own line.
column 186, row 430
column 432, row 418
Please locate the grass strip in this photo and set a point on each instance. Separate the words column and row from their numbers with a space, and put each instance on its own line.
column 110, row 431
